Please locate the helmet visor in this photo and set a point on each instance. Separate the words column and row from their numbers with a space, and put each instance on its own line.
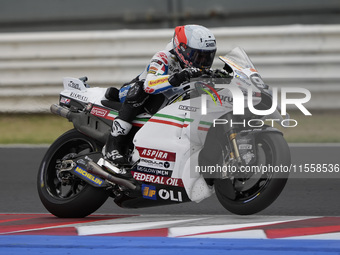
column 200, row 58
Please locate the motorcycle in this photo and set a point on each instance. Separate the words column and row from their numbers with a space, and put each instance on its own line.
column 187, row 145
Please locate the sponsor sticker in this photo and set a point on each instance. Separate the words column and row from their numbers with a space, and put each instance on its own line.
column 188, row 108
column 156, row 163
column 79, row 97
column 154, row 171
column 99, row 111
column 93, row 179
column 156, row 154
column 158, row 62
column 210, row 43
column 157, row 179
column 157, row 81
column 170, row 195
column 245, row 146
column 153, row 68
column 162, row 56
column 156, row 158
column 149, row 192
column 65, row 100
column 149, row 90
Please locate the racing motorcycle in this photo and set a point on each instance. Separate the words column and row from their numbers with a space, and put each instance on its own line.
column 187, row 145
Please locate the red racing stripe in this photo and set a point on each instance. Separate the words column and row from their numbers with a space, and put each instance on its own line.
column 21, row 223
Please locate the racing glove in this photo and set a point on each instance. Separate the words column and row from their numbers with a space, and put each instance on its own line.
column 220, row 74
column 177, row 79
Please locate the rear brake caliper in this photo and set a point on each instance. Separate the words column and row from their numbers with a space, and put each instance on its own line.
column 63, row 169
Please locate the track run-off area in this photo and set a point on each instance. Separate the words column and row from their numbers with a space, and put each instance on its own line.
column 167, row 234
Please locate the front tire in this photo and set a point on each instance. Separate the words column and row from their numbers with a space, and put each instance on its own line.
column 255, row 193
column 73, row 198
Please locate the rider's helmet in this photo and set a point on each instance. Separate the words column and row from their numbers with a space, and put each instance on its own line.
column 194, row 46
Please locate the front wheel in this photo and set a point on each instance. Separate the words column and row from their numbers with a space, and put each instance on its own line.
column 68, row 196
column 255, row 192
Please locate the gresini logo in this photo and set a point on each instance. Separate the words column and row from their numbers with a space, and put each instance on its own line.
column 239, row 105
column 74, row 85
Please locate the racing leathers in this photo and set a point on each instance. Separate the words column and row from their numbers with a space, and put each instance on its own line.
column 163, row 72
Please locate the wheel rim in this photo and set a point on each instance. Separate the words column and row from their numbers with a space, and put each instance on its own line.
column 250, row 186
column 64, row 185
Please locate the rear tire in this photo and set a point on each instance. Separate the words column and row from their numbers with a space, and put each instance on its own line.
column 75, row 198
column 255, row 193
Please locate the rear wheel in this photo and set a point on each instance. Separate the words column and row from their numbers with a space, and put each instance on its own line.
column 255, row 191
column 66, row 195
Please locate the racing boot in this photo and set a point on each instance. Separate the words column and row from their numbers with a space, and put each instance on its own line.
column 116, row 149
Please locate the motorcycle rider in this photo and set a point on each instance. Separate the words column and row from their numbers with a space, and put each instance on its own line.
column 191, row 50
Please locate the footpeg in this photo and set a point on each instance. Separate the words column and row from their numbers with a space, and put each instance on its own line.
column 111, row 168
column 94, row 168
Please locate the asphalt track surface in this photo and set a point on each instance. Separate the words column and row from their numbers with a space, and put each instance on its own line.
column 304, row 195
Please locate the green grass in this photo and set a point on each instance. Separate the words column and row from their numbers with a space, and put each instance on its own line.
column 322, row 126
column 31, row 128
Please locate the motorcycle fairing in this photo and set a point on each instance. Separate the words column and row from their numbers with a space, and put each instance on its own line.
column 153, row 195
column 176, row 131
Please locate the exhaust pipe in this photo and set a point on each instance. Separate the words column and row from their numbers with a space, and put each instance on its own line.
column 61, row 111
column 92, row 167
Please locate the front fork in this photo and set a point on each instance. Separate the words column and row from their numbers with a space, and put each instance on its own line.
column 234, row 158
column 234, row 154
column 234, row 151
